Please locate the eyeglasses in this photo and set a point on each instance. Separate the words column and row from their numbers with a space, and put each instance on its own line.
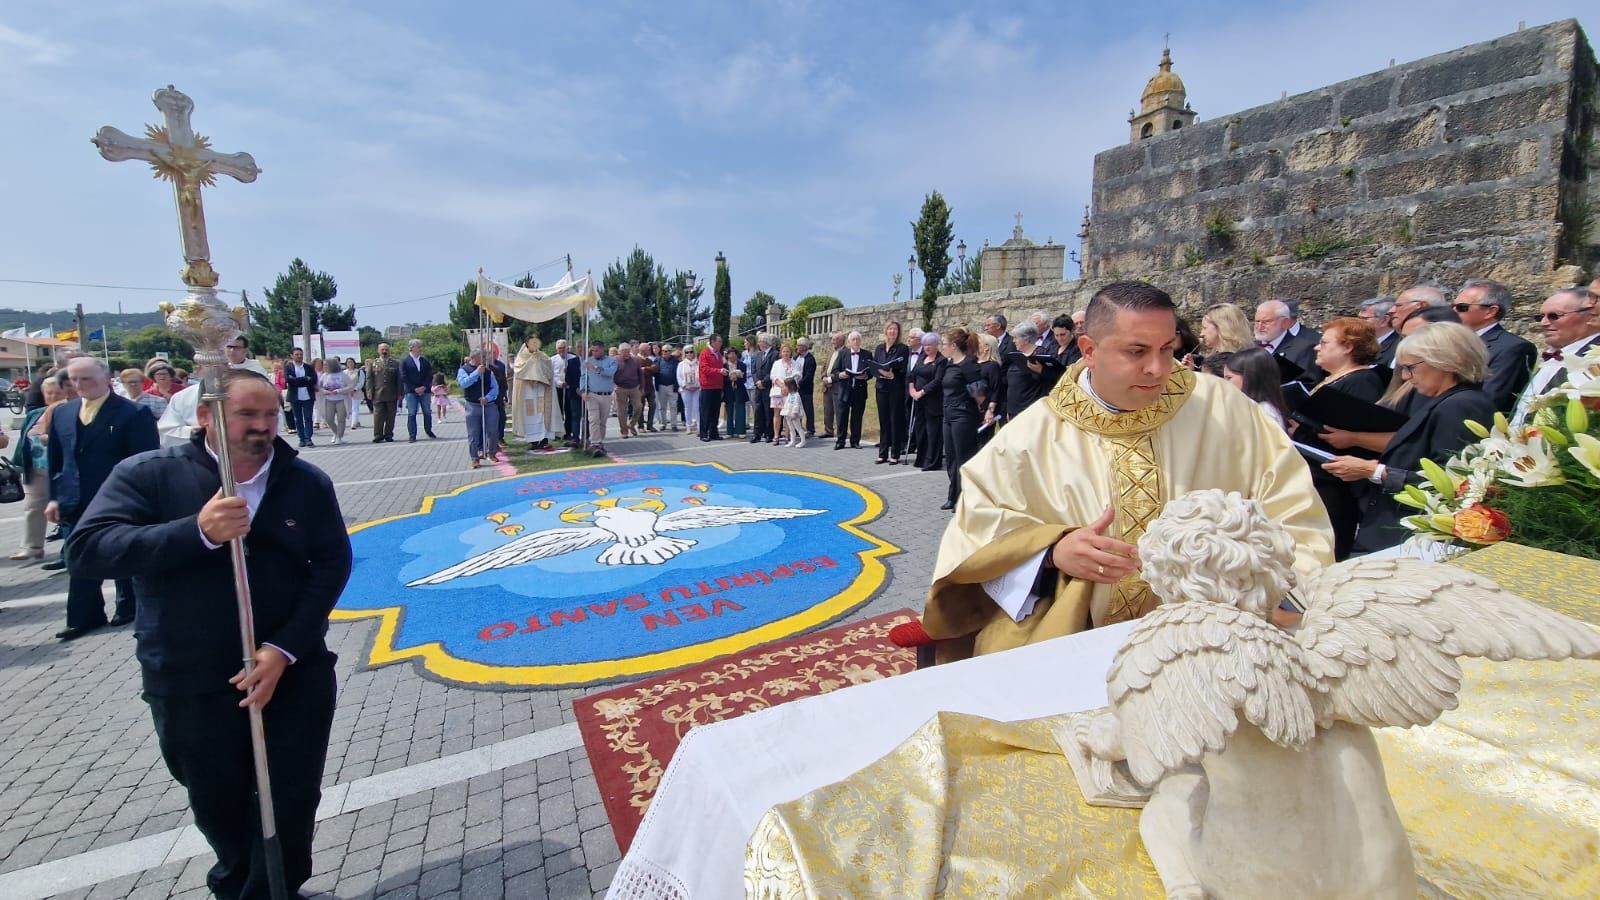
column 1468, row 307
column 1406, row 369
column 1558, row 316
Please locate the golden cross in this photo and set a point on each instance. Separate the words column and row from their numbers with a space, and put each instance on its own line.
column 186, row 159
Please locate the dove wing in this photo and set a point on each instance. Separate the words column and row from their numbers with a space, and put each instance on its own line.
column 713, row 516
column 1186, row 673
column 525, row 549
column 1382, row 637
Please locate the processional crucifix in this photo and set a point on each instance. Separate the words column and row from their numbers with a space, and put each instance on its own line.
column 186, row 159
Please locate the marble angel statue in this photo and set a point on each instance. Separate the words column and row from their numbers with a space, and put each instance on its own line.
column 1248, row 744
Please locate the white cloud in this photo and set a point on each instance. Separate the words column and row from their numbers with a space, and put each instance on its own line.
column 30, row 49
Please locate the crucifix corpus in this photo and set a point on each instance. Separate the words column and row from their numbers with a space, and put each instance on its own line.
column 186, row 159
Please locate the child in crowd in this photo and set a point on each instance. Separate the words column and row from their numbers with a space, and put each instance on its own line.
column 791, row 412
column 441, row 396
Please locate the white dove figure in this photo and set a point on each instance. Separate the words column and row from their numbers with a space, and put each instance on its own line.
column 636, row 536
column 1254, row 740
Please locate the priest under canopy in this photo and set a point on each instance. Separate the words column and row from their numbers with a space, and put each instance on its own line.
column 1043, row 540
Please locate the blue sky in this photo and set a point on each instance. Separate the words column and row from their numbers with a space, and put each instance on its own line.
column 405, row 144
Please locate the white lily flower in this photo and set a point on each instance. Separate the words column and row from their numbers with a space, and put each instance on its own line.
column 1587, row 452
column 1532, row 465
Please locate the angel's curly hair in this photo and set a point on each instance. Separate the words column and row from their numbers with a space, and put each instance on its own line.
column 1220, row 548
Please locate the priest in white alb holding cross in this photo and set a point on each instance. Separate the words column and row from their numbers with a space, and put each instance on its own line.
column 1043, row 539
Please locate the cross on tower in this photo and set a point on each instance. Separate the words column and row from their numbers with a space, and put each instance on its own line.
column 186, row 159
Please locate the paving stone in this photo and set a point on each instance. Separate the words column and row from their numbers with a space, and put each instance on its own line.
column 78, row 755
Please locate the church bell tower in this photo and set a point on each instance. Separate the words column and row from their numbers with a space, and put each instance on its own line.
column 1164, row 105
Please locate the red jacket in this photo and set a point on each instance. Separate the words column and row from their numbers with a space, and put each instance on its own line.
column 710, row 369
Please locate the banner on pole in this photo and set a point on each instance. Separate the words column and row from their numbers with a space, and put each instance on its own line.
column 501, row 340
column 343, row 344
column 312, row 352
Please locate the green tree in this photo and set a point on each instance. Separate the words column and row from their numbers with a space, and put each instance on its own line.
column 755, row 310
column 932, row 233
column 276, row 319
column 444, row 345
column 966, row 278
column 677, row 303
column 370, row 339
column 464, row 308
column 800, row 317
column 628, row 293
column 145, row 343
column 722, row 299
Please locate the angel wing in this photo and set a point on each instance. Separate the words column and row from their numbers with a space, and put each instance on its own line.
column 713, row 516
column 1187, row 670
column 1382, row 637
column 529, row 547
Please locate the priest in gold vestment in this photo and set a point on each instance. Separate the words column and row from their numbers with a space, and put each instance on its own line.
column 1067, row 487
column 533, row 395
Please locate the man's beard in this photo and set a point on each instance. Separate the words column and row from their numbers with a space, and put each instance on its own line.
column 254, row 443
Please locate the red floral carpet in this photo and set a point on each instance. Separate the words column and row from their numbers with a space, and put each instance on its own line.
column 631, row 732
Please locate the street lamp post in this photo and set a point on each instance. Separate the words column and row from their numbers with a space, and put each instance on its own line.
column 911, row 276
column 961, row 256
column 689, row 286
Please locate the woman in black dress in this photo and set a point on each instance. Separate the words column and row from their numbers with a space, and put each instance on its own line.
column 987, row 350
column 891, row 355
column 1348, row 348
column 927, row 399
column 963, row 388
column 1447, row 364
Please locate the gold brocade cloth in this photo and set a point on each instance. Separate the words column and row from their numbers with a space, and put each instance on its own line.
column 967, row 807
column 1501, row 797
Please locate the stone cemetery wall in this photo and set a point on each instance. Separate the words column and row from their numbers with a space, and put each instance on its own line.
column 1483, row 162
column 1473, row 163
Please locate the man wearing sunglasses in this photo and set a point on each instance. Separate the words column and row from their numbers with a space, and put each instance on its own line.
column 1483, row 305
column 1570, row 329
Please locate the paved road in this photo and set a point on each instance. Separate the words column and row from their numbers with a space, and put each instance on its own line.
column 431, row 790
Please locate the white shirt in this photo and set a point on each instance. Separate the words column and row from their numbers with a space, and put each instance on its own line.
column 689, row 375
column 558, row 371
column 1487, row 328
column 1546, row 373
column 781, row 372
column 1272, row 346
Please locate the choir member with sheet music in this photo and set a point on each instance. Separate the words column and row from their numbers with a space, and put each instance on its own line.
column 927, row 397
column 963, row 389
column 889, row 368
column 1027, row 369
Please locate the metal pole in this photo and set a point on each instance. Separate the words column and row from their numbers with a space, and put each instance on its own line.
column 305, row 318
column 212, row 365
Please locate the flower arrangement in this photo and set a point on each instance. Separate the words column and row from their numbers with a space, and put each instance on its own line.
column 1537, row 484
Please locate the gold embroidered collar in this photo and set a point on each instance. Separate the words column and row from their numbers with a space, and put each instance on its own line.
column 1074, row 405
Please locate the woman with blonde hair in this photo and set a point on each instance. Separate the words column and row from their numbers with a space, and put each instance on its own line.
column 987, row 351
column 1446, row 363
column 963, row 390
column 1224, row 328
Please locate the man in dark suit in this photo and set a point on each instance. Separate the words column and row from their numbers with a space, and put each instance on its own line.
column 161, row 520
column 1571, row 329
column 808, row 385
column 301, row 382
column 1483, row 305
column 852, row 399
column 761, row 387
column 416, row 380
column 995, row 326
column 1379, row 313
column 830, row 391
column 383, row 384
column 568, row 367
column 1273, row 321
column 88, row 437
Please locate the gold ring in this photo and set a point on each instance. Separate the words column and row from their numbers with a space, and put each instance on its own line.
column 1099, row 569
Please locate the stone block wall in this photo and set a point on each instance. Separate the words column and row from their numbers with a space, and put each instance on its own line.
column 1008, row 266
column 1479, row 162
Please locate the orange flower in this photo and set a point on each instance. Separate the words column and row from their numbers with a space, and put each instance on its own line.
column 1478, row 524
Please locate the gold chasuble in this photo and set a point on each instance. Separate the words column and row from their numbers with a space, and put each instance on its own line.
column 1059, row 465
